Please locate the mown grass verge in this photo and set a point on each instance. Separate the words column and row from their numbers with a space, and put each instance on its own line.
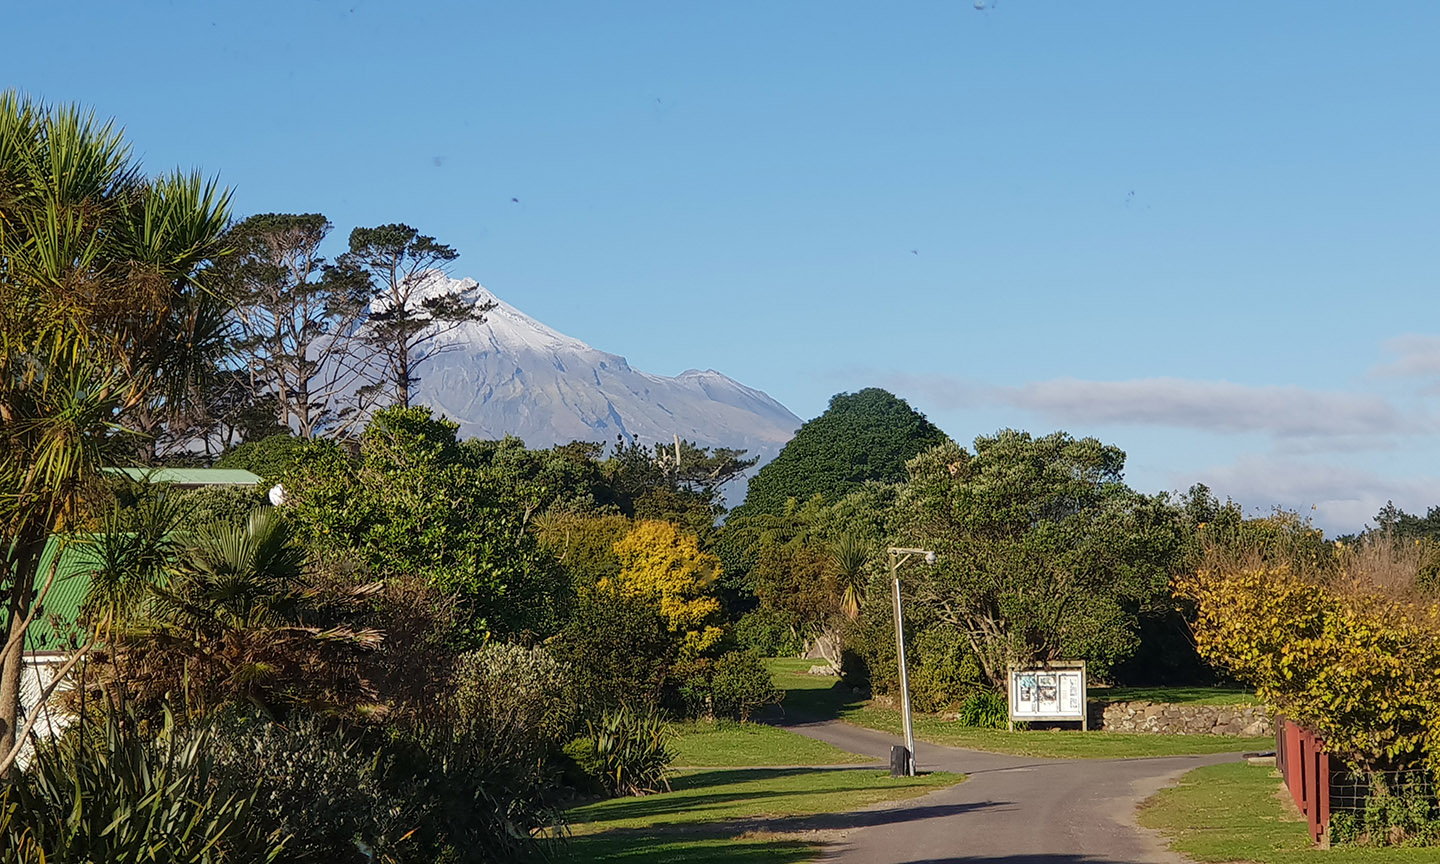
column 1238, row 812
column 732, row 745
column 1175, row 695
column 818, row 696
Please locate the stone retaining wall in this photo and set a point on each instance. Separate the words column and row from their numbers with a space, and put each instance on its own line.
column 1180, row 719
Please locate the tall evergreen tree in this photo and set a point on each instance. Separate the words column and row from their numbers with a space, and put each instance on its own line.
column 406, row 310
column 863, row 436
column 296, row 318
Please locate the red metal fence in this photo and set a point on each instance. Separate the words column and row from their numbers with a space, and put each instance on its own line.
column 1305, row 767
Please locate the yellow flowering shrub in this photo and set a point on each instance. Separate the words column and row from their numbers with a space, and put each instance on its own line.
column 660, row 562
column 1353, row 659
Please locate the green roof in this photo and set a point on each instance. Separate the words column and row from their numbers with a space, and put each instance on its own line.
column 53, row 625
column 190, row 476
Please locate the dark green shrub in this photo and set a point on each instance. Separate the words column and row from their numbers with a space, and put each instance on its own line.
column 409, row 505
column 114, row 794
column 868, row 659
column 317, row 788
column 741, row 685
column 943, row 669
column 463, row 802
column 474, row 779
column 691, row 692
column 480, row 772
column 517, row 702
column 767, row 632
column 269, row 457
column 984, row 709
column 625, row 752
column 211, row 504
column 619, row 649
column 1344, row 828
column 1398, row 811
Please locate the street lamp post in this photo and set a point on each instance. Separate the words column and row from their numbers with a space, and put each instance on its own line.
column 899, row 556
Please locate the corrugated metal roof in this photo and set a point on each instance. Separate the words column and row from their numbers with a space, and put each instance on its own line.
column 190, row 476
column 53, row 626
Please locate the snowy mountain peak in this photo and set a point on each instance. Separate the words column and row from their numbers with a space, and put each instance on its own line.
column 512, row 375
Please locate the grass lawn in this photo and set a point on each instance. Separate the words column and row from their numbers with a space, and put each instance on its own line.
column 1185, row 695
column 819, row 696
column 1236, row 812
column 729, row 744
column 752, row 816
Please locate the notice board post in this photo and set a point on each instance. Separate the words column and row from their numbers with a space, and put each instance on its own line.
column 1052, row 691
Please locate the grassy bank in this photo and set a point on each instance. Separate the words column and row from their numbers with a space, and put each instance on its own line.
column 752, row 816
column 818, row 696
column 1239, row 812
column 1177, row 695
column 733, row 745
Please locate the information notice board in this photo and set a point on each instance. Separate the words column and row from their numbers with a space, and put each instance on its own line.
column 1048, row 692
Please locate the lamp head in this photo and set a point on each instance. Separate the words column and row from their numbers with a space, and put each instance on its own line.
column 929, row 557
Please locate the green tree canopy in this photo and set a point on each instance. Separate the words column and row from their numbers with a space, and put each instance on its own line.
column 1043, row 552
column 411, row 505
column 294, row 318
column 868, row 435
column 269, row 458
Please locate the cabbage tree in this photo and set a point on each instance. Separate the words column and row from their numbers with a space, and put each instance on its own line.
column 104, row 327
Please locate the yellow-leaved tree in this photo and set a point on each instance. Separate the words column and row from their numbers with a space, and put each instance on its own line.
column 660, row 562
column 1348, row 646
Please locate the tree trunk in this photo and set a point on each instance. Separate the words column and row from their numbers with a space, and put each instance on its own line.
column 402, row 378
column 10, row 665
column 826, row 647
column 25, row 566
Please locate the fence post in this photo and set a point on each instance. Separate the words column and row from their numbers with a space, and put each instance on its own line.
column 1306, row 770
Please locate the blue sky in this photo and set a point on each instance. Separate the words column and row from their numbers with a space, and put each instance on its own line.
column 1204, row 232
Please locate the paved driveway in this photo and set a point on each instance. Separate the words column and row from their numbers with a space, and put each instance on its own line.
column 1011, row 810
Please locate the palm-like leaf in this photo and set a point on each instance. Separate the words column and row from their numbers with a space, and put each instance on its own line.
column 101, row 318
column 848, row 556
column 237, row 617
column 131, row 552
column 237, row 576
column 115, row 795
column 96, row 300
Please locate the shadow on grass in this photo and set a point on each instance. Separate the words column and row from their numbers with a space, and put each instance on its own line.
column 709, row 778
column 812, row 703
column 678, row 801
column 1219, row 696
column 865, row 818
column 871, row 818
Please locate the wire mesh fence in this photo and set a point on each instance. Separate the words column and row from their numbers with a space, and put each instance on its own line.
column 1383, row 808
column 1350, row 789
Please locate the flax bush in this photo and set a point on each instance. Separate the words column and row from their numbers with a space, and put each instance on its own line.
column 625, row 752
column 984, row 709
column 119, row 795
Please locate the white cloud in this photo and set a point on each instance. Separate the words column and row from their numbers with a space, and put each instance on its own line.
column 1339, row 498
column 1180, row 403
column 1216, row 406
column 1416, row 355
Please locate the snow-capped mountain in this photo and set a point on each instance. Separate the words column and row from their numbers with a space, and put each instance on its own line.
column 512, row 375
